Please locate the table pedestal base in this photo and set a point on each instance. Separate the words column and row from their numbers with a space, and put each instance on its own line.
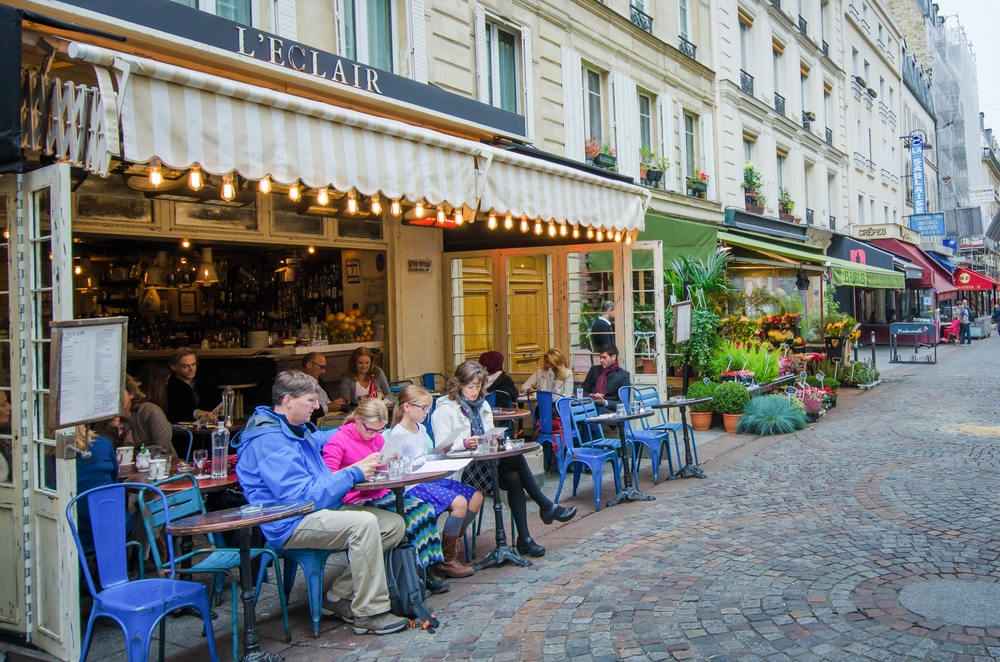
column 632, row 494
column 500, row 555
column 690, row 471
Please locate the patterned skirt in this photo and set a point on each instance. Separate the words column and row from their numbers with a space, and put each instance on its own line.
column 441, row 493
column 421, row 526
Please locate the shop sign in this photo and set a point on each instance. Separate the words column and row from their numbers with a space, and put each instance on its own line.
column 885, row 231
column 928, row 225
column 910, row 328
column 982, row 195
column 859, row 252
column 917, row 166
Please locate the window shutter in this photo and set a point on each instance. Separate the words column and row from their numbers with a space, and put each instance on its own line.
column 682, row 134
column 338, row 6
column 482, row 56
column 285, row 9
column 572, row 100
column 665, row 117
column 418, row 41
column 626, row 105
column 708, row 152
column 529, row 84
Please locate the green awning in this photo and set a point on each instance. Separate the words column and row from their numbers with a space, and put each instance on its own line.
column 680, row 238
column 843, row 272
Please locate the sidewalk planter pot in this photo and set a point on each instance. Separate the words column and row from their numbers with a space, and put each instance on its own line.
column 606, row 161
column 729, row 400
column 730, row 421
column 701, row 421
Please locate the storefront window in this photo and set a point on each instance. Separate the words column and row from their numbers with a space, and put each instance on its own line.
column 591, row 283
column 107, row 199
column 215, row 216
column 917, row 305
column 766, row 291
column 471, row 307
column 6, row 440
column 877, row 306
column 288, row 220
column 531, row 329
column 360, row 228
column 643, row 313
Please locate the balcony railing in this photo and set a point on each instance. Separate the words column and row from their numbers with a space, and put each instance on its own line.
column 853, row 11
column 826, row 48
column 803, row 25
column 880, row 44
column 867, row 28
column 833, row 222
column 889, row 56
column 869, row 101
column 829, row 136
column 870, row 165
column 859, row 160
column 776, row 3
column 641, row 18
column 779, row 103
column 892, row 119
column 687, row 48
column 806, row 122
column 894, row 180
column 883, row 110
column 746, row 82
column 810, row 217
column 886, row 176
column 858, row 87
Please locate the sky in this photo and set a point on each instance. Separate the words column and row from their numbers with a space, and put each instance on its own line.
column 981, row 18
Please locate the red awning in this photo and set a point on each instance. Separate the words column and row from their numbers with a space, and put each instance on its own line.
column 966, row 280
column 934, row 277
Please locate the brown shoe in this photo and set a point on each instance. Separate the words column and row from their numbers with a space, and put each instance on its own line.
column 451, row 567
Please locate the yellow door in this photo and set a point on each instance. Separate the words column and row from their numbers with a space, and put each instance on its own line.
column 472, row 307
column 529, row 305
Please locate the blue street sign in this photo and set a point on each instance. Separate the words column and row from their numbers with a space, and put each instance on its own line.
column 917, row 163
column 928, row 225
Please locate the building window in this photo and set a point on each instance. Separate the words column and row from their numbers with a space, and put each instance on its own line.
column 690, row 144
column 744, row 46
column 868, row 73
column 827, row 110
column 593, row 108
column 777, row 71
column 855, row 62
column 645, row 121
column 368, row 32
column 684, row 18
column 503, row 46
column 237, row 11
column 871, row 210
column 747, row 150
column 781, row 171
column 804, row 89
column 885, row 215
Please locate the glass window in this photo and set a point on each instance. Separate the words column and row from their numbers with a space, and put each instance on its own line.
column 782, row 283
column 643, row 314
column 645, row 121
column 690, row 144
column 747, row 150
column 861, row 209
column 593, row 107
column 781, row 170
column 234, row 10
column 530, row 320
column 804, row 85
column 502, row 46
column 591, row 282
column 777, row 71
column 471, row 307
column 368, row 32
column 744, row 46
column 684, row 18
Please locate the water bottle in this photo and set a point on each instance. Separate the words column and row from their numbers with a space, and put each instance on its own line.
column 220, row 452
column 228, row 405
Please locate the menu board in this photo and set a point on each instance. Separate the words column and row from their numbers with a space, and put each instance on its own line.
column 88, row 371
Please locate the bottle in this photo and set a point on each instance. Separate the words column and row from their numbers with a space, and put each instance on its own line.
column 228, row 405
column 220, row 451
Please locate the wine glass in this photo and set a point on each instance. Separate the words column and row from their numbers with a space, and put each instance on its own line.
column 200, row 457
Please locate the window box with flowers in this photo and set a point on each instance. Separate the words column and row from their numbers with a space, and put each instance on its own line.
column 752, row 184
column 651, row 168
column 785, row 205
column 697, row 184
column 601, row 155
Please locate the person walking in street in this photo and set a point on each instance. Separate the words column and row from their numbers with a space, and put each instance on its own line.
column 965, row 315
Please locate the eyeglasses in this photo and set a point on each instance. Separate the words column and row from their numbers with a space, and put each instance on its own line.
column 371, row 431
column 426, row 408
column 321, row 366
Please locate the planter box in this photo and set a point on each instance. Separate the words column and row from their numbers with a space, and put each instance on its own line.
column 755, row 209
column 697, row 186
column 653, row 176
column 605, row 161
column 645, row 366
column 786, row 217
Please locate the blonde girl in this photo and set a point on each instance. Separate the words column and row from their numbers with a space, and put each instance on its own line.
column 463, row 501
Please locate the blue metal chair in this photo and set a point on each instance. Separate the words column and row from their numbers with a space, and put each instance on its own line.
column 399, row 385
column 660, row 422
column 579, row 448
column 541, row 403
column 491, row 399
column 428, row 378
column 640, row 436
column 190, row 436
column 217, row 560
column 138, row 606
column 313, row 561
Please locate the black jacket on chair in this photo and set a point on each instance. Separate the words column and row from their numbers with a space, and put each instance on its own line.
column 616, row 380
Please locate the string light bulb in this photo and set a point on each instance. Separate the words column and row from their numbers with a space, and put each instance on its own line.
column 459, row 219
column 376, row 205
column 552, row 229
column 618, row 235
column 562, row 229
column 600, row 235
column 576, row 230
column 265, row 185
column 228, row 190
column 312, row 249
column 524, row 224
column 492, row 222
column 294, row 193
column 508, row 221
column 441, row 217
column 352, row 203
column 195, row 181
column 395, row 208
column 323, row 197
column 419, row 209
column 628, row 239
column 590, row 233
column 155, row 176
column 185, row 243
column 538, row 226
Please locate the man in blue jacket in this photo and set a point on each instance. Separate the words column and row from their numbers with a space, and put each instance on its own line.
column 280, row 460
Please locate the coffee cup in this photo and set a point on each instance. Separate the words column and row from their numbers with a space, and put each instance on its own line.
column 124, row 454
column 158, row 468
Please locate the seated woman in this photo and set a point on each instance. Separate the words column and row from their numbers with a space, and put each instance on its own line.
column 96, row 465
column 154, row 377
column 363, row 379
column 361, row 436
column 497, row 380
column 466, row 408
column 554, row 375
column 141, row 424
column 410, row 437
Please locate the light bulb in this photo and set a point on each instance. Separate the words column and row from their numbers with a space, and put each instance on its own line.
column 312, row 249
column 459, row 219
column 508, row 222
column 155, row 176
column 294, row 193
column 492, row 223
column 77, row 270
column 323, row 197
column 265, row 185
column 590, row 233
column 628, row 239
column 228, row 190
column 195, row 181
column 352, row 203
column 576, row 231
column 376, row 205
column 618, row 235
column 562, row 229
column 552, row 229
column 441, row 217
column 395, row 208
column 185, row 243
column 524, row 224
column 600, row 236
column 418, row 211
column 538, row 227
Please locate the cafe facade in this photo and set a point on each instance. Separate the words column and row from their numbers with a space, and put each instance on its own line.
column 248, row 187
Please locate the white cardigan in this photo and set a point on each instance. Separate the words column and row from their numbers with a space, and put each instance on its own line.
column 546, row 380
column 448, row 416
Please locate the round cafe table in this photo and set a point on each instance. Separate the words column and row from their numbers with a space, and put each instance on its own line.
column 691, row 468
column 237, row 519
column 128, row 474
column 629, row 491
column 399, row 485
column 509, row 414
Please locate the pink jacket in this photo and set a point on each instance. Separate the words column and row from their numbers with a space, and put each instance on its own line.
column 347, row 447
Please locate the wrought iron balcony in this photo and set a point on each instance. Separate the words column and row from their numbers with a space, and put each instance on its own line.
column 833, row 222
column 806, row 122
column 779, row 103
column 776, row 3
column 687, row 47
column 826, row 48
column 829, row 136
column 881, row 45
column 810, row 216
column 640, row 18
column 895, row 181
column 858, row 85
column 867, row 28
column 853, row 11
column 883, row 110
column 870, row 165
column 859, row 160
column 746, row 82
column 886, row 176
column 803, row 26
column 892, row 119
column 869, row 101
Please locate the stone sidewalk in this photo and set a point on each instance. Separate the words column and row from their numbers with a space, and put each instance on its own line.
column 794, row 548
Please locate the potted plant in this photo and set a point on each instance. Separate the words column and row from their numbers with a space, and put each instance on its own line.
column 645, row 156
column 606, row 158
column 701, row 414
column 752, row 184
column 809, row 115
column 697, row 184
column 771, row 414
column 785, row 204
column 655, row 169
column 592, row 148
column 729, row 400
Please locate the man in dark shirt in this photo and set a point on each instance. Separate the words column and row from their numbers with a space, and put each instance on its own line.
column 603, row 330
column 185, row 401
column 604, row 380
column 314, row 365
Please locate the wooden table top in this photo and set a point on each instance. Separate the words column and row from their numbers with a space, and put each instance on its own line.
column 237, row 518
column 405, row 481
column 508, row 414
column 130, row 475
column 499, row 455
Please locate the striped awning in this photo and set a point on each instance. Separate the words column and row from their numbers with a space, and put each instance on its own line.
column 185, row 118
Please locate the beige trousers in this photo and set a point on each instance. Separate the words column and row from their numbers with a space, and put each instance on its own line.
column 359, row 530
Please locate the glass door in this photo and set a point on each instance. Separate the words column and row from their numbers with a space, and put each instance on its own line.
column 590, row 292
column 530, row 328
column 646, row 348
column 472, row 306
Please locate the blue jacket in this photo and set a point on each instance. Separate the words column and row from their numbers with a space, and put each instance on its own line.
column 279, row 462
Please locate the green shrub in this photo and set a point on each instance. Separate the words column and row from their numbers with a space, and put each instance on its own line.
column 830, row 382
column 813, row 380
column 771, row 414
column 730, row 398
column 701, row 390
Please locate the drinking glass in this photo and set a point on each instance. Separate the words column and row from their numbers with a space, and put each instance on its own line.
column 155, row 452
column 620, row 410
column 396, row 469
column 200, row 457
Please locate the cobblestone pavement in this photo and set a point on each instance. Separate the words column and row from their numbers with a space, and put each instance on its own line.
column 795, row 553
